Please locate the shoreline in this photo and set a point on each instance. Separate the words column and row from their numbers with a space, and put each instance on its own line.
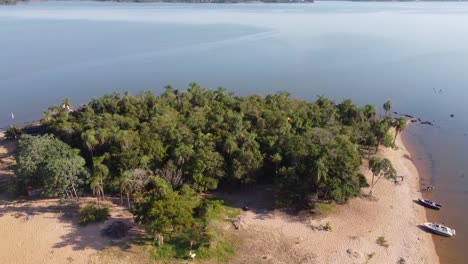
column 356, row 226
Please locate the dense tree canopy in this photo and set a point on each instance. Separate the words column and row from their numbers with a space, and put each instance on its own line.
column 208, row 139
column 46, row 163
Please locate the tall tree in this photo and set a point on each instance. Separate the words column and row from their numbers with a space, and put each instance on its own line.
column 46, row 163
column 89, row 140
column 380, row 168
column 387, row 106
column 166, row 212
column 400, row 124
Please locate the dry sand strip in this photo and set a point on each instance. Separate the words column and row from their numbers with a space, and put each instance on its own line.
column 42, row 231
column 392, row 214
column 269, row 237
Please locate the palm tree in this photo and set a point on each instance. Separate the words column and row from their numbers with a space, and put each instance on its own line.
column 230, row 145
column 100, row 172
column 89, row 140
column 387, row 106
column 276, row 159
column 322, row 171
column 126, row 186
column 400, row 125
column 98, row 189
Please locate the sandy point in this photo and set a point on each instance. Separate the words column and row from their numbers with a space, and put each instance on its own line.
column 391, row 216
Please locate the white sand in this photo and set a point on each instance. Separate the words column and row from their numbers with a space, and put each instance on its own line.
column 270, row 237
column 279, row 238
column 48, row 236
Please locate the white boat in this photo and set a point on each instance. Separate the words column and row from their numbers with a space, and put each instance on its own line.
column 440, row 229
column 430, row 204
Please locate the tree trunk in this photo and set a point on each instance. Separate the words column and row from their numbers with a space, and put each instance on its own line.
column 160, row 239
column 372, row 185
column 74, row 191
column 121, row 198
column 396, row 134
column 102, row 190
column 128, row 201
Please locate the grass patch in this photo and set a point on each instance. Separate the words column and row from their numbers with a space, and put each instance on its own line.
column 382, row 242
column 90, row 213
column 213, row 239
column 324, row 208
column 401, row 261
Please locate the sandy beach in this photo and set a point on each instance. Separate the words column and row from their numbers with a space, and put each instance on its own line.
column 268, row 236
column 46, row 231
column 356, row 226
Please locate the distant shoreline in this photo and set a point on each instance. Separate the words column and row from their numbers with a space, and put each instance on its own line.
column 13, row 2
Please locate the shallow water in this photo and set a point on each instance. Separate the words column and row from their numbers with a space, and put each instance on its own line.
column 413, row 53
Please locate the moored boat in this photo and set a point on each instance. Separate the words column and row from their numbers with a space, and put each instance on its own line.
column 440, row 229
column 430, row 204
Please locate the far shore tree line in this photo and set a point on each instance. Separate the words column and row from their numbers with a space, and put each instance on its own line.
column 160, row 152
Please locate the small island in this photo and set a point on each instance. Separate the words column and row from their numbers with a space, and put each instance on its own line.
column 205, row 174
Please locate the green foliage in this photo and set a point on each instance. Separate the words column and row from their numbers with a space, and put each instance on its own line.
column 400, row 124
column 90, row 213
column 327, row 227
column 324, row 208
column 46, row 163
column 210, row 138
column 387, row 106
column 363, row 181
column 381, row 168
column 382, row 242
column 387, row 141
column 12, row 133
column 160, row 150
column 166, row 212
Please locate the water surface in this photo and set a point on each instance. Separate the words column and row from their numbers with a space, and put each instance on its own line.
column 413, row 53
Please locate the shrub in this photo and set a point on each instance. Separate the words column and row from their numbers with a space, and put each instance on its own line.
column 362, row 181
column 90, row 213
column 12, row 133
column 382, row 242
column 388, row 140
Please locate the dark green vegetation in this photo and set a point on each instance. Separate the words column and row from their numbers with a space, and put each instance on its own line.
column 90, row 213
column 162, row 152
column 49, row 164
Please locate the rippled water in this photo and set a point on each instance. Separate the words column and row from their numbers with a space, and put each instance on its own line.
column 413, row 53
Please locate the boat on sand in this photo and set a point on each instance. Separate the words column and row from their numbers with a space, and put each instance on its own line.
column 440, row 229
column 430, row 204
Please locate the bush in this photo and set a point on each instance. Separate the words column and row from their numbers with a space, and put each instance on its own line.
column 12, row 133
column 90, row 213
column 382, row 242
column 388, row 140
column 362, row 181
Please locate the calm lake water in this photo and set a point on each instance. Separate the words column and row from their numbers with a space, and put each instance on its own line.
column 413, row 53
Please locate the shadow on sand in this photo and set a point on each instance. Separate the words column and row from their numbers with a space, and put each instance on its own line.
column 259, row 199
column 79, row 237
